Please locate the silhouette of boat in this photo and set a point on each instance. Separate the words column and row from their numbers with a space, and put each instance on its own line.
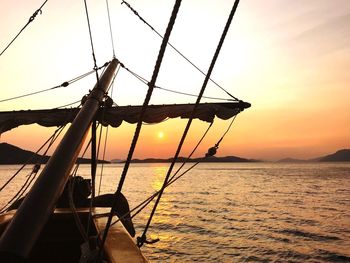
column 57, row 221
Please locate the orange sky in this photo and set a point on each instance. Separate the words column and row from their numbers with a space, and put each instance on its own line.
column 289, row 59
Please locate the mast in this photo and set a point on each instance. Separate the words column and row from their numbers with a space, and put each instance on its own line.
column 24, row 229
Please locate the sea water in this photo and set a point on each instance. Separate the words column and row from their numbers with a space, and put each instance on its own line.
column 236, row 212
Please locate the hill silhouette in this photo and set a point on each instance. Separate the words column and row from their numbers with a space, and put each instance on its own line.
column 11, row 154
column 339, row 156
column 212, row 159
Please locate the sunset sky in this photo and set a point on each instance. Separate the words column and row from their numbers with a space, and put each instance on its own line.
column 289, row 58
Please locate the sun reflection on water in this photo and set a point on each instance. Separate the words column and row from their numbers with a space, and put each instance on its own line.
column 241, row 212
column 163, row 218
column 159, row 173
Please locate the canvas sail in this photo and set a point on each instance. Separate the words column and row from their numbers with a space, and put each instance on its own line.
column 114, row 116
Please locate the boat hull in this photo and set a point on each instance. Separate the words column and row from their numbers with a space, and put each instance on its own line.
column 60, row 240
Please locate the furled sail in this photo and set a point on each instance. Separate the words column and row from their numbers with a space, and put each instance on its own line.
column 114, row 116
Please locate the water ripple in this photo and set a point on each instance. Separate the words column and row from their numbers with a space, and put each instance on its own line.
column 308, row 235
column 251, row 212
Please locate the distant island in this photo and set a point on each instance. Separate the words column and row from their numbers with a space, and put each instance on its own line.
column 10, row 154
column 339, row 156
column 212, row 159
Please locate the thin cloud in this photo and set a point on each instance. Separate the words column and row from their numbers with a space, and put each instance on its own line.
column 329, row 36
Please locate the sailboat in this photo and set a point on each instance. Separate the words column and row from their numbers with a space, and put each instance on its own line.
column 40, row 228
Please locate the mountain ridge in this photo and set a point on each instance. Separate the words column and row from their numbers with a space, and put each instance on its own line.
column 212, row 159
column 342, row 155
column 11, row 154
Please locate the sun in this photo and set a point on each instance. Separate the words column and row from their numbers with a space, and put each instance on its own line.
column 160, row 135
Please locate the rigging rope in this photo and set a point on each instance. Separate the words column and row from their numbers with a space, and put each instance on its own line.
column 36, row 167
column 93, row 145
column 29, row 160
column 182, row 165
column 31, row 19
column 180, row 53
column 91, row 42
column 35, row 170
column 142, row 239
column 66, row 105
column 149, row 199
column 63, row 85
column 94, row 155
column 174, row 178
column 79, row 224
column 106, row 135
column 76, row 217
column 110, row 28
column 103, row 157
column 143, row 80
column 94, row 158
column 144, row 107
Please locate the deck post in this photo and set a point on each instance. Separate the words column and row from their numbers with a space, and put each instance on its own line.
column 24, row 229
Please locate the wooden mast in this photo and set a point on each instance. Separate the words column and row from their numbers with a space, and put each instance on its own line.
column 24, row 229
